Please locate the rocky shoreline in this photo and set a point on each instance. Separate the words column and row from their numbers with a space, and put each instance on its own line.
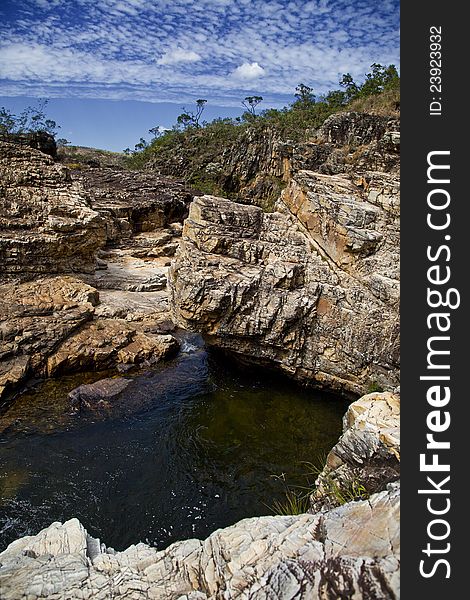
column 100, row 266
column 352, row 550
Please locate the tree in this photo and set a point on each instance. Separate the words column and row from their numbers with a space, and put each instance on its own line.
column 62, row 142
column 157, row 132
column 379, row 79
column 32, row 120
column 352, row 89
column 192, row 118
column 141, row 145
column 304, row 96
column 251, row 102
column 184, row 119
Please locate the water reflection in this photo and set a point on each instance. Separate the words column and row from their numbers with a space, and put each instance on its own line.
column 187, row 448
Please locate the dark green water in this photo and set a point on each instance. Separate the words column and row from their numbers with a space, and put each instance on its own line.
column 186, row 449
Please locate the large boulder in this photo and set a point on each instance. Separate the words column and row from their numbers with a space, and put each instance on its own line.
column 39, row 140
column 367, row 455
column 35, row 317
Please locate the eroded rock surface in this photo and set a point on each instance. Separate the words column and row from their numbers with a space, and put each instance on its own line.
column 351, row 551
column 47, row 224
column 311, row 287
column 48, row 327
column 35, row 317
column 367, row 455
column 132, row 202
column 116, row 231
column 311, row 291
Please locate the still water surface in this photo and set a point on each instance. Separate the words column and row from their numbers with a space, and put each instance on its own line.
column 193, row 446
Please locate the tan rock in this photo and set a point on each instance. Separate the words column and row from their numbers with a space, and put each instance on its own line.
column 367, row 455
column 259, row 285
column 35, row 317
column 46, row 222
column 104, row 343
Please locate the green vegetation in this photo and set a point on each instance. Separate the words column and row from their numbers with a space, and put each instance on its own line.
column 297, row 498
column 294, row 503
column 349, row 491
column 193, row 150
column 374, row 387
column 33, row 119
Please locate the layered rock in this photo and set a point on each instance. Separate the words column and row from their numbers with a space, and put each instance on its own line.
column 367, row 455
column 48, row 327
column 47, row 224
column 311, row 290
column 255, row 164
column 311, row 287
column 351, row 551
column 35, row 317
column 133, row 202
column 39, row 140
column 54, row 220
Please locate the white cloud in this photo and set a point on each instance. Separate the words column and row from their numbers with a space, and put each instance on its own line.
column 249, row 71
column 178, row 55
column 178, row 50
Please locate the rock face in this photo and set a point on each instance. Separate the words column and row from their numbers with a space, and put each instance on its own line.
column 350, row 552
column 47, row 224
column 313, row 287
column 257, row 163
column 39, row 140
column 56, row 221
column 48, row 328
column 319, row 300
column 367, row 455
column 132, row 202
column 34, row 318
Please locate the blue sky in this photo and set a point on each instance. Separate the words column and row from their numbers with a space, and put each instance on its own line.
column 96, row 58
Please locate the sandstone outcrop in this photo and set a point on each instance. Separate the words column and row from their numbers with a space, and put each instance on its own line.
column 132, row 202
column 367, row 455
column 48, row 327
column 257, row 164
column 309, row 290
column 39, row 140
column 35, row 317
column 47, row 224
column 351, row 551
column 115, row 231
column 311, row 286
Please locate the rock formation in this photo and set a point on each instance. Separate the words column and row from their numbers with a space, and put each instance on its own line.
column 302, row 276
column 367, row 455
column 47, row 224
column 116, row 232
column 311, row 288
column 133, row 202
column 47, row 329
column 256, row 165
column 351, row 552
column 260, row 285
